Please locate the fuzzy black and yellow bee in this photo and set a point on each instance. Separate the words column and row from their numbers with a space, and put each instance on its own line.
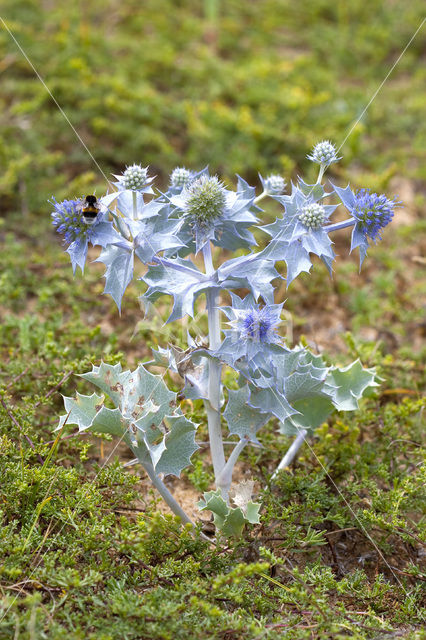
column 90, row 209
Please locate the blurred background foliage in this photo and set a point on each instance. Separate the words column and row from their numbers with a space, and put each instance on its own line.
column 241, row 86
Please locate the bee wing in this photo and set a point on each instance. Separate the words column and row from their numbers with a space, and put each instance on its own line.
column 80, row 205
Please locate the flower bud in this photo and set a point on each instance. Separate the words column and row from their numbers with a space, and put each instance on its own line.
column 274, row 184
column 206, row 199
column 313, row 215
column 180, row 177
column 324, row 153
column 257, row 324
column 135, row 177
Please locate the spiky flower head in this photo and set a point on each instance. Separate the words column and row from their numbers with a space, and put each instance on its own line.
column 372, row 212
column 313, row 215
column 257, row 324
column 274, row 184
column 134, row 177
column 68, row 221
column 324, row 153
column 205, row 199
column 180, row 177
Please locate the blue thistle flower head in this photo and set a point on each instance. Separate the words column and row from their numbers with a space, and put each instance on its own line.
column 274, row 184
column 372, row 212
column 134, row 178
column 205, row 199
column 313, row 215
column 253, row 331
column 250, row 322
column 210, row 212
column 180, row 177
column 324, row 153
column 258, row 324
column 68, row 221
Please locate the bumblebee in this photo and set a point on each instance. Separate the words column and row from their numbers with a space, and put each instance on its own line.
column 90, row 209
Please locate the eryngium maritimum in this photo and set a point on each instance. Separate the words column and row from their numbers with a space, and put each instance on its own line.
column 206, row 199
column 180, row 177
column 69, row 222
column 258, row 324
column 324, row 153
column 372, row 212
column 134, row 177
column 313, row 215
column 274, row 184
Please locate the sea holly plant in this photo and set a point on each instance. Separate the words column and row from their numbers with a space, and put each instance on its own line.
column 179, row 236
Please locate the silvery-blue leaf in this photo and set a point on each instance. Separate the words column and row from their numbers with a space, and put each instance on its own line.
column 350, row 383
column 269, row 400
column 109, row 198
column 179, row 278
column 228, row 520
column 314, row 191
column 81, row 410
column 179, row 446
column 153, row 236
column 109, row 421
column 359, row 239
column 125, row 202
column 146, row 416
column 313, row 411
column 302, row 385
column 78, row 253
column 251, row 272
column 142, row 387
column 197, row 381
column 119, row 272
column 346, row 196
column 109, row 379
column 243, row 420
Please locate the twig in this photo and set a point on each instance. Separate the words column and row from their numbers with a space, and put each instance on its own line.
column 71, row 435
column 18, row 377
column 330, row 533
column 55, row 388
column 16, row 423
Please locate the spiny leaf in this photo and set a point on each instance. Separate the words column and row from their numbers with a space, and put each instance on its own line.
column 351, row 382
column 243, row 419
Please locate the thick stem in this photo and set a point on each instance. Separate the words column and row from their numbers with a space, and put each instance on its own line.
column 321, row 173
column 340, row 225
column 135, row 205
column 259, row 198
column 225, row 478
column 165, row 493
column 215, row 371
column 291, row 453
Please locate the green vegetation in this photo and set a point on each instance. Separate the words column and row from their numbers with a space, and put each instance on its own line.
column 83, row 552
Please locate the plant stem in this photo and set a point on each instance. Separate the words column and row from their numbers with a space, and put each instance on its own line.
column 259, row 198
column 339, row 225
column 224, row 480
column 291, row 453
column 135, row 205
column 215, row 371
column 165, row 493
column 321, row 173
